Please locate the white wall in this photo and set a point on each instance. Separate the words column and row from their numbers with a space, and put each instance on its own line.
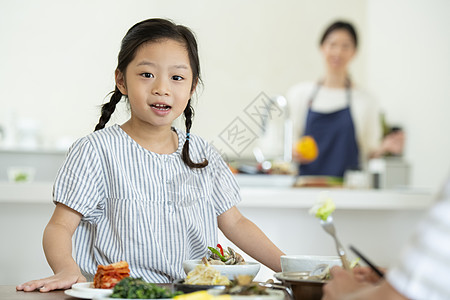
column 409, row 71
column 58, row 57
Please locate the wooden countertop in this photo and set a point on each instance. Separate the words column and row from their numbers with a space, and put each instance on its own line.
column 9, row 292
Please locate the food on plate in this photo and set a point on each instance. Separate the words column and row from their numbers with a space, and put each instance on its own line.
column 202, row 295
column 205, row 274
column 220, row 257
column 319, row 181
column 136, row 288
column 244, row 285
column 108, row 276
column 307, row 148
column 324, row 207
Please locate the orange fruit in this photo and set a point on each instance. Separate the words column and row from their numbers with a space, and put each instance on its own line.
column 307, row 148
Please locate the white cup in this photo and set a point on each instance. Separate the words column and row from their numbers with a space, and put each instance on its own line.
column 306, row 263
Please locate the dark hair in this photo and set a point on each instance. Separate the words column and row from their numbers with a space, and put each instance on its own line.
column 340, row 25
column 153, row 30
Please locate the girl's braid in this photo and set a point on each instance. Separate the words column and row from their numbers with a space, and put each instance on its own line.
column 108, row 109
column 188, row 114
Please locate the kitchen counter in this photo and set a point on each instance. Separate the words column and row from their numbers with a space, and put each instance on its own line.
column 263, row 196
column 26, row 192
column 353, row 199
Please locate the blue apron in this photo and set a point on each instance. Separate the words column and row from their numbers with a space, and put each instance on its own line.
column 335, row 137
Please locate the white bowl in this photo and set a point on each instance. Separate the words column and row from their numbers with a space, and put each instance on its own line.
column 231, row 271
column 301, row 263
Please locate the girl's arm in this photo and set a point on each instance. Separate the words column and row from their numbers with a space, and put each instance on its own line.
column 57, row 244
column 248, row 237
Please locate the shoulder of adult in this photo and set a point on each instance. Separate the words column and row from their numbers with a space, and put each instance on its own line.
column 298, row 95
column 365, row 97
column 301, row 88
column 362, row 91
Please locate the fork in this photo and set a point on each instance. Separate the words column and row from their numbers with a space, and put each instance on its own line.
column 328, row 226
column 287, row 290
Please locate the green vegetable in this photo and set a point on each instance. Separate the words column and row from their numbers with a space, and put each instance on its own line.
column 215, row 251
column 326, row 209
column 19, row 177
column 136, row 288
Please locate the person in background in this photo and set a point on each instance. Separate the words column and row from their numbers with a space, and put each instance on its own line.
column 422, row 271
column 146, row 192
column 344, row 121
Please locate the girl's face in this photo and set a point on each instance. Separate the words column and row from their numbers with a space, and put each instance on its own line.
column 158, row 83
column 338, row 50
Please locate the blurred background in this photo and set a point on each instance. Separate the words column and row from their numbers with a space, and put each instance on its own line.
column 57, row 64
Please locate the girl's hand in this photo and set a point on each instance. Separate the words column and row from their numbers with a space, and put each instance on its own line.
column 63, row 280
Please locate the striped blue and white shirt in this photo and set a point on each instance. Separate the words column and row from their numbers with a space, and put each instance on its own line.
column 148, row 209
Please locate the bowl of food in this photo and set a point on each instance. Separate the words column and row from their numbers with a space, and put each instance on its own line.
column 228, row 262
column 307, row 263
column 242, row 288
column 230, row 271
column 303, row 285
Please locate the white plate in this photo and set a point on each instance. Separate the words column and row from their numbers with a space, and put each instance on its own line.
column 80, row 294
column 86, row 295
column 108, row 298
column 85, row 290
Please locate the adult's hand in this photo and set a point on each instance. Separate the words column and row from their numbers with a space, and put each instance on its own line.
column 394, row 143
column 298, row 158
column 342, row 283
column 366, row 274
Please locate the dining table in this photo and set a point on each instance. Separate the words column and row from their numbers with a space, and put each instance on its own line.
column 8, row 292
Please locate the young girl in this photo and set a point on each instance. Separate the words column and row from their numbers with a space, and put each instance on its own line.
column 146, row 192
